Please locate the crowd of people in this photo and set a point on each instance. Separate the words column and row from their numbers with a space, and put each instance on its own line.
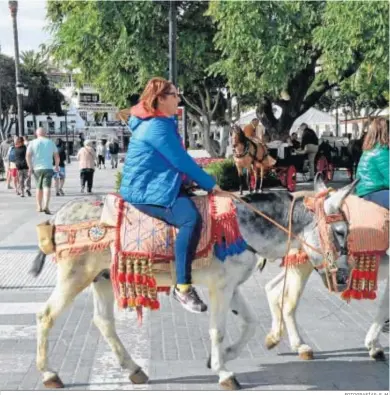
column 46, row 161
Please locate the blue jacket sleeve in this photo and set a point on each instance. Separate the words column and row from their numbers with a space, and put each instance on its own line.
column 161, row 136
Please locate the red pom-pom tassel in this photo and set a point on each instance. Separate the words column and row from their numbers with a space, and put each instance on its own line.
column 151, row 282
column 137, row 278
column 371, row 295
column 122, row 277
column 130, row 278
column 123, row 303
column 154, row 305
column 139, row 300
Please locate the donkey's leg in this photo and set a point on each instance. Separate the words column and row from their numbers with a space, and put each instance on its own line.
column 71, row 280
column 372, row 337
column 103, row 317
column 273, row 290
column 295, row 283
column 219, row 306
column 248, row 329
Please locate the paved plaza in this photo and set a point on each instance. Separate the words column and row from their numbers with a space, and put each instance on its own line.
column 172, row 345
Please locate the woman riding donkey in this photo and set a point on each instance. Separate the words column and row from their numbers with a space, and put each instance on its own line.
column 155, row 168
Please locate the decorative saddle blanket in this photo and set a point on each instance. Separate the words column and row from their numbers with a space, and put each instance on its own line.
column 368, row 240
column 144, row 245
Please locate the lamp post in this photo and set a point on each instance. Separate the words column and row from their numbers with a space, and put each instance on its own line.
column 21, row 91
column 65, row 107
column 13, row 7
column 336, row 95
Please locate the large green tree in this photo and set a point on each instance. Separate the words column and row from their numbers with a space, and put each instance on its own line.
column 118, row 46
column 42, row 98
column 291, row 53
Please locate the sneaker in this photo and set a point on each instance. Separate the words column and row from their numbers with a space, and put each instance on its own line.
column 28, row 192
column 58, row 193
column 82, row 190
column 190, row 300
column 62, row 192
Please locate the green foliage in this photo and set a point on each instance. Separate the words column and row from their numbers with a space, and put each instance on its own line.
column 272, row 51
column 42, row 98
column 119, row 46
column 225, row 173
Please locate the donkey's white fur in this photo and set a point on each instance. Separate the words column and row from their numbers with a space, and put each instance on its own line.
column 295, row 283
column 222, row 280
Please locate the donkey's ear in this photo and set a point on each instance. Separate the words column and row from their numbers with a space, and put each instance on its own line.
column 319, row 184
column 334, row 202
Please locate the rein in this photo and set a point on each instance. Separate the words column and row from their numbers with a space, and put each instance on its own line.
column 324, row 222
column 281, row 227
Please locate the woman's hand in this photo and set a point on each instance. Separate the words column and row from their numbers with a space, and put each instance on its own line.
column 220, row 192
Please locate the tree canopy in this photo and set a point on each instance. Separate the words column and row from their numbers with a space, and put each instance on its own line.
column 42, row 97
column 118, row 46
column 289, row 53
column 292, row 52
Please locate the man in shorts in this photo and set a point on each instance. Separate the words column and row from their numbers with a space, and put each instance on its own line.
column 40, row 154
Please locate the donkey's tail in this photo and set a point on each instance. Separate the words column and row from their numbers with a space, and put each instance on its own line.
column 38, row 264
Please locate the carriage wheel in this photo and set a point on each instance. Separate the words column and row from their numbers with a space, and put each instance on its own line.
column 323, row 167
column 330, row 172
column 291, row 178
column 282, row 175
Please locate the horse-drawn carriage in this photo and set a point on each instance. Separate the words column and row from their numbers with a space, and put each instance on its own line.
column 335, row 154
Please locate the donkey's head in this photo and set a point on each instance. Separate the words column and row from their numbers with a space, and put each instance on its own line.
column 330, row 234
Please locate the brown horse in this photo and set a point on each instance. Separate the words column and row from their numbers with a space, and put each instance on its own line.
column 250, row 155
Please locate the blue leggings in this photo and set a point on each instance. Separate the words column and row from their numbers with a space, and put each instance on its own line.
column 185, row 216
column 379, row 197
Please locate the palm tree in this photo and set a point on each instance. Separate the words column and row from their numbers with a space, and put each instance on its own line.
column 33, row 62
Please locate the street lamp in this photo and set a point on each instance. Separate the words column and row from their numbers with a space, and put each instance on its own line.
column 336, row 95
column 65, row 107
column 13, row 7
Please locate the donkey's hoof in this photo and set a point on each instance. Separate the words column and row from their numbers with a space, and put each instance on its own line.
column 306, row 355
column 53, row 382
column 139, row 377
column 270, row 342
column 208, row 363
column 230, row 384
column 379, row 356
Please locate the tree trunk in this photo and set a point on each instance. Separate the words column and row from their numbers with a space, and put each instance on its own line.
column 224, row 141
column 208, row 145
column 191, row 138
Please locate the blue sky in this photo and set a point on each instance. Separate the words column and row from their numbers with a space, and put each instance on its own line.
column 31, row 21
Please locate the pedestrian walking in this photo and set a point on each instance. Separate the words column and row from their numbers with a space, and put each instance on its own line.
column 4, row 148
column 101, row 154
column 86, row 157
column 13, row 171
column 59, row 176
column 113, row 148
column 40, row 154
column 24, row 181
column 309, row 146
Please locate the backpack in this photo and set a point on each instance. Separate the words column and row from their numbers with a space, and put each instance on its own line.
column 12, row 156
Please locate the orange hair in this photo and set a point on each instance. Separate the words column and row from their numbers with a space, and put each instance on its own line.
column 155, row 88
column 378, row 132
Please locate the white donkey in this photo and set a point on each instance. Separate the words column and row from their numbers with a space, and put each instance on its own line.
column 222, row 278
column 293, row 289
